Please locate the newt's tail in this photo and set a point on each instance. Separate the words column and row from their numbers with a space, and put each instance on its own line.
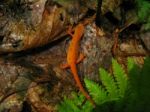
column 76, row 77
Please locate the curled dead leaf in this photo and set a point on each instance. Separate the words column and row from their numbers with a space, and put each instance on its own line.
column 18, row 36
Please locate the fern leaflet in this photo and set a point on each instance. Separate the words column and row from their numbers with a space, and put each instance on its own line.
column 98, row 94
column 120, row 77
column 109, row 83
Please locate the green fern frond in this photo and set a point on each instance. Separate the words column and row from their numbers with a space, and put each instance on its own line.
column 109, row 83
column 139, row 86
column 68, row 106
column 130, row 64
column 98, row 94
column 87, row 107
column 120, row 76
column 78, row 99
column 75, row 104
column 134, row 75
column 119, row 93
column 144, row 81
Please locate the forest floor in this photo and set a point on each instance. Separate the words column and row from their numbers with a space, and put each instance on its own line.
column 32, row 80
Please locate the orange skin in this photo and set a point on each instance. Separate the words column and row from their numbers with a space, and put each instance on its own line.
column 73, row 59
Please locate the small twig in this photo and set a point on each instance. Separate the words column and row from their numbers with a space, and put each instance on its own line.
column 115, row 45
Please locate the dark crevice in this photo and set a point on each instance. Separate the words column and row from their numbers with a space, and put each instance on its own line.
column 1, row 39
column 61, row 17
column 16, row 44
column 26, row 107
column 111, row 18
column 98, row 13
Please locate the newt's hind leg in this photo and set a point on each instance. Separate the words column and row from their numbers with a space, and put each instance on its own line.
column 80, row 59
column 64, row 66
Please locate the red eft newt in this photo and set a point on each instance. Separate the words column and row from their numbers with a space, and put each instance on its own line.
column 73, row 59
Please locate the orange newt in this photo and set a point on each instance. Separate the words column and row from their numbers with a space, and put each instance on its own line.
column 73, row 59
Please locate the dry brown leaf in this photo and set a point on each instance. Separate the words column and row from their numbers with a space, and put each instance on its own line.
column 22, row 37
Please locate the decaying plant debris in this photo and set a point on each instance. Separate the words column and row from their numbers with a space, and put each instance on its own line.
column 31, row 80
column 18, row 35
